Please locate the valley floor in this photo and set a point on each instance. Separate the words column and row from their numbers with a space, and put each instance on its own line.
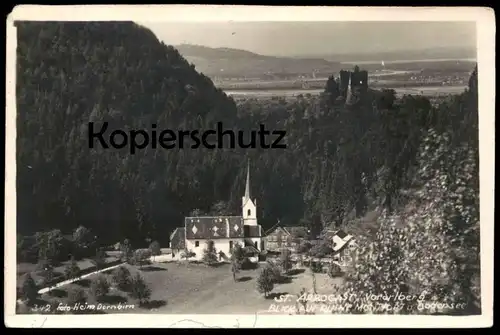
column 181, row 288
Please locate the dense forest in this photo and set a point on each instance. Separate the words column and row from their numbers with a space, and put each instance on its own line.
column 342, row 158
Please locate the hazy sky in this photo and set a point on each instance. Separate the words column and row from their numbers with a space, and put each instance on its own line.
column 298, row 38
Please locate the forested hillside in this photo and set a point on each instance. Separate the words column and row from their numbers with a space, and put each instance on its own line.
column 341, row 158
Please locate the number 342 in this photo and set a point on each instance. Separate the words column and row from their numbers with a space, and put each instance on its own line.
column 41, row 309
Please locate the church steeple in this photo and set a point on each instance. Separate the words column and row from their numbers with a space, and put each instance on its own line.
column 247, row 186
column 249, row 208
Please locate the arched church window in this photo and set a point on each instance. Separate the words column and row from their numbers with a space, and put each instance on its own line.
column 249, row 212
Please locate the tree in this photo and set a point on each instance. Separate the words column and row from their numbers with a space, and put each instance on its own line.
column 322, row 249
column 237, row 258
column 235, row 268
column 122, row 278
column 29, row 290
column 99, row 287
column 126, row 250
column 196, row 212
column 99, row 259
column 83, row 240
column 72, row 270
column 313, row 275
column 47, row 274
column 304, row 247
column 49, row 245
column 155, row 248
column 139, row 289
column 275, row 271
column 220, row 208
column 76, row 296
column 334, row 270
column 436, row 251
column 141, row 256
column 187, row 254
column 210, row 254
column 265, row 282
column 285, row 260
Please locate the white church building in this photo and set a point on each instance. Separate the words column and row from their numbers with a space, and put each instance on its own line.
column 224, row 231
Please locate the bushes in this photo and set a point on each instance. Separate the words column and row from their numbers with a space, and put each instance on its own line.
column 29, row 289
column 47, row 274
column 72, row 270
column 275, row 271
column 334, row 270
column 139, row 290
column 122, row 278
column 316, row 267
column 436, row 250
column 265, row 281
column 76, row 296
column 141, row 257
column 99, row 260
column 210, row 254
column 155, row 248
column 285, row 260
column 99, row 287
column 187, row 254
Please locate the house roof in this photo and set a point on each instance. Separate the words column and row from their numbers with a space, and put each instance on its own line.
column 177, row 238
column 213, row 227
column 329, row 234
column 297, row 231
column 341, row 234
column 340, row 244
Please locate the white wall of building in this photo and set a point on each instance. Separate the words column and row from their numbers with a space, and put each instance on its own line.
column 249, row 212
column 220, row 244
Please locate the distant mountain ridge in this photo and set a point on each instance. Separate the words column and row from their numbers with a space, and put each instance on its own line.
column 434, row 53
column 237, row 62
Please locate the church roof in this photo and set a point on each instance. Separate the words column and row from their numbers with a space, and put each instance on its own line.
column 214, row 227
column 177, row 238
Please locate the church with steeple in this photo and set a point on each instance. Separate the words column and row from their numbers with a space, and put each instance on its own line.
column 224, row 231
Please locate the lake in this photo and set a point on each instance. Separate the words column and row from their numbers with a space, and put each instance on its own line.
column 411, row 61
column 430, row 90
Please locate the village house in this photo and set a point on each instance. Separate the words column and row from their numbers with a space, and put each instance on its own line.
column 224, row 231
column 285, row 237
column 343, row 246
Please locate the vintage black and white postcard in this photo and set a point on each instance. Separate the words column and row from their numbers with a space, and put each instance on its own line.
column 246, row 166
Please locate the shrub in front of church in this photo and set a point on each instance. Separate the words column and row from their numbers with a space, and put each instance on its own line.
column 187, row 254
column 99, row 287
column 122, row 278
column 210, row 254
column 265, row 281
column 140, row 290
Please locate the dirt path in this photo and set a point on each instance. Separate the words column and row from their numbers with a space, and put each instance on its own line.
column 69, row 281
